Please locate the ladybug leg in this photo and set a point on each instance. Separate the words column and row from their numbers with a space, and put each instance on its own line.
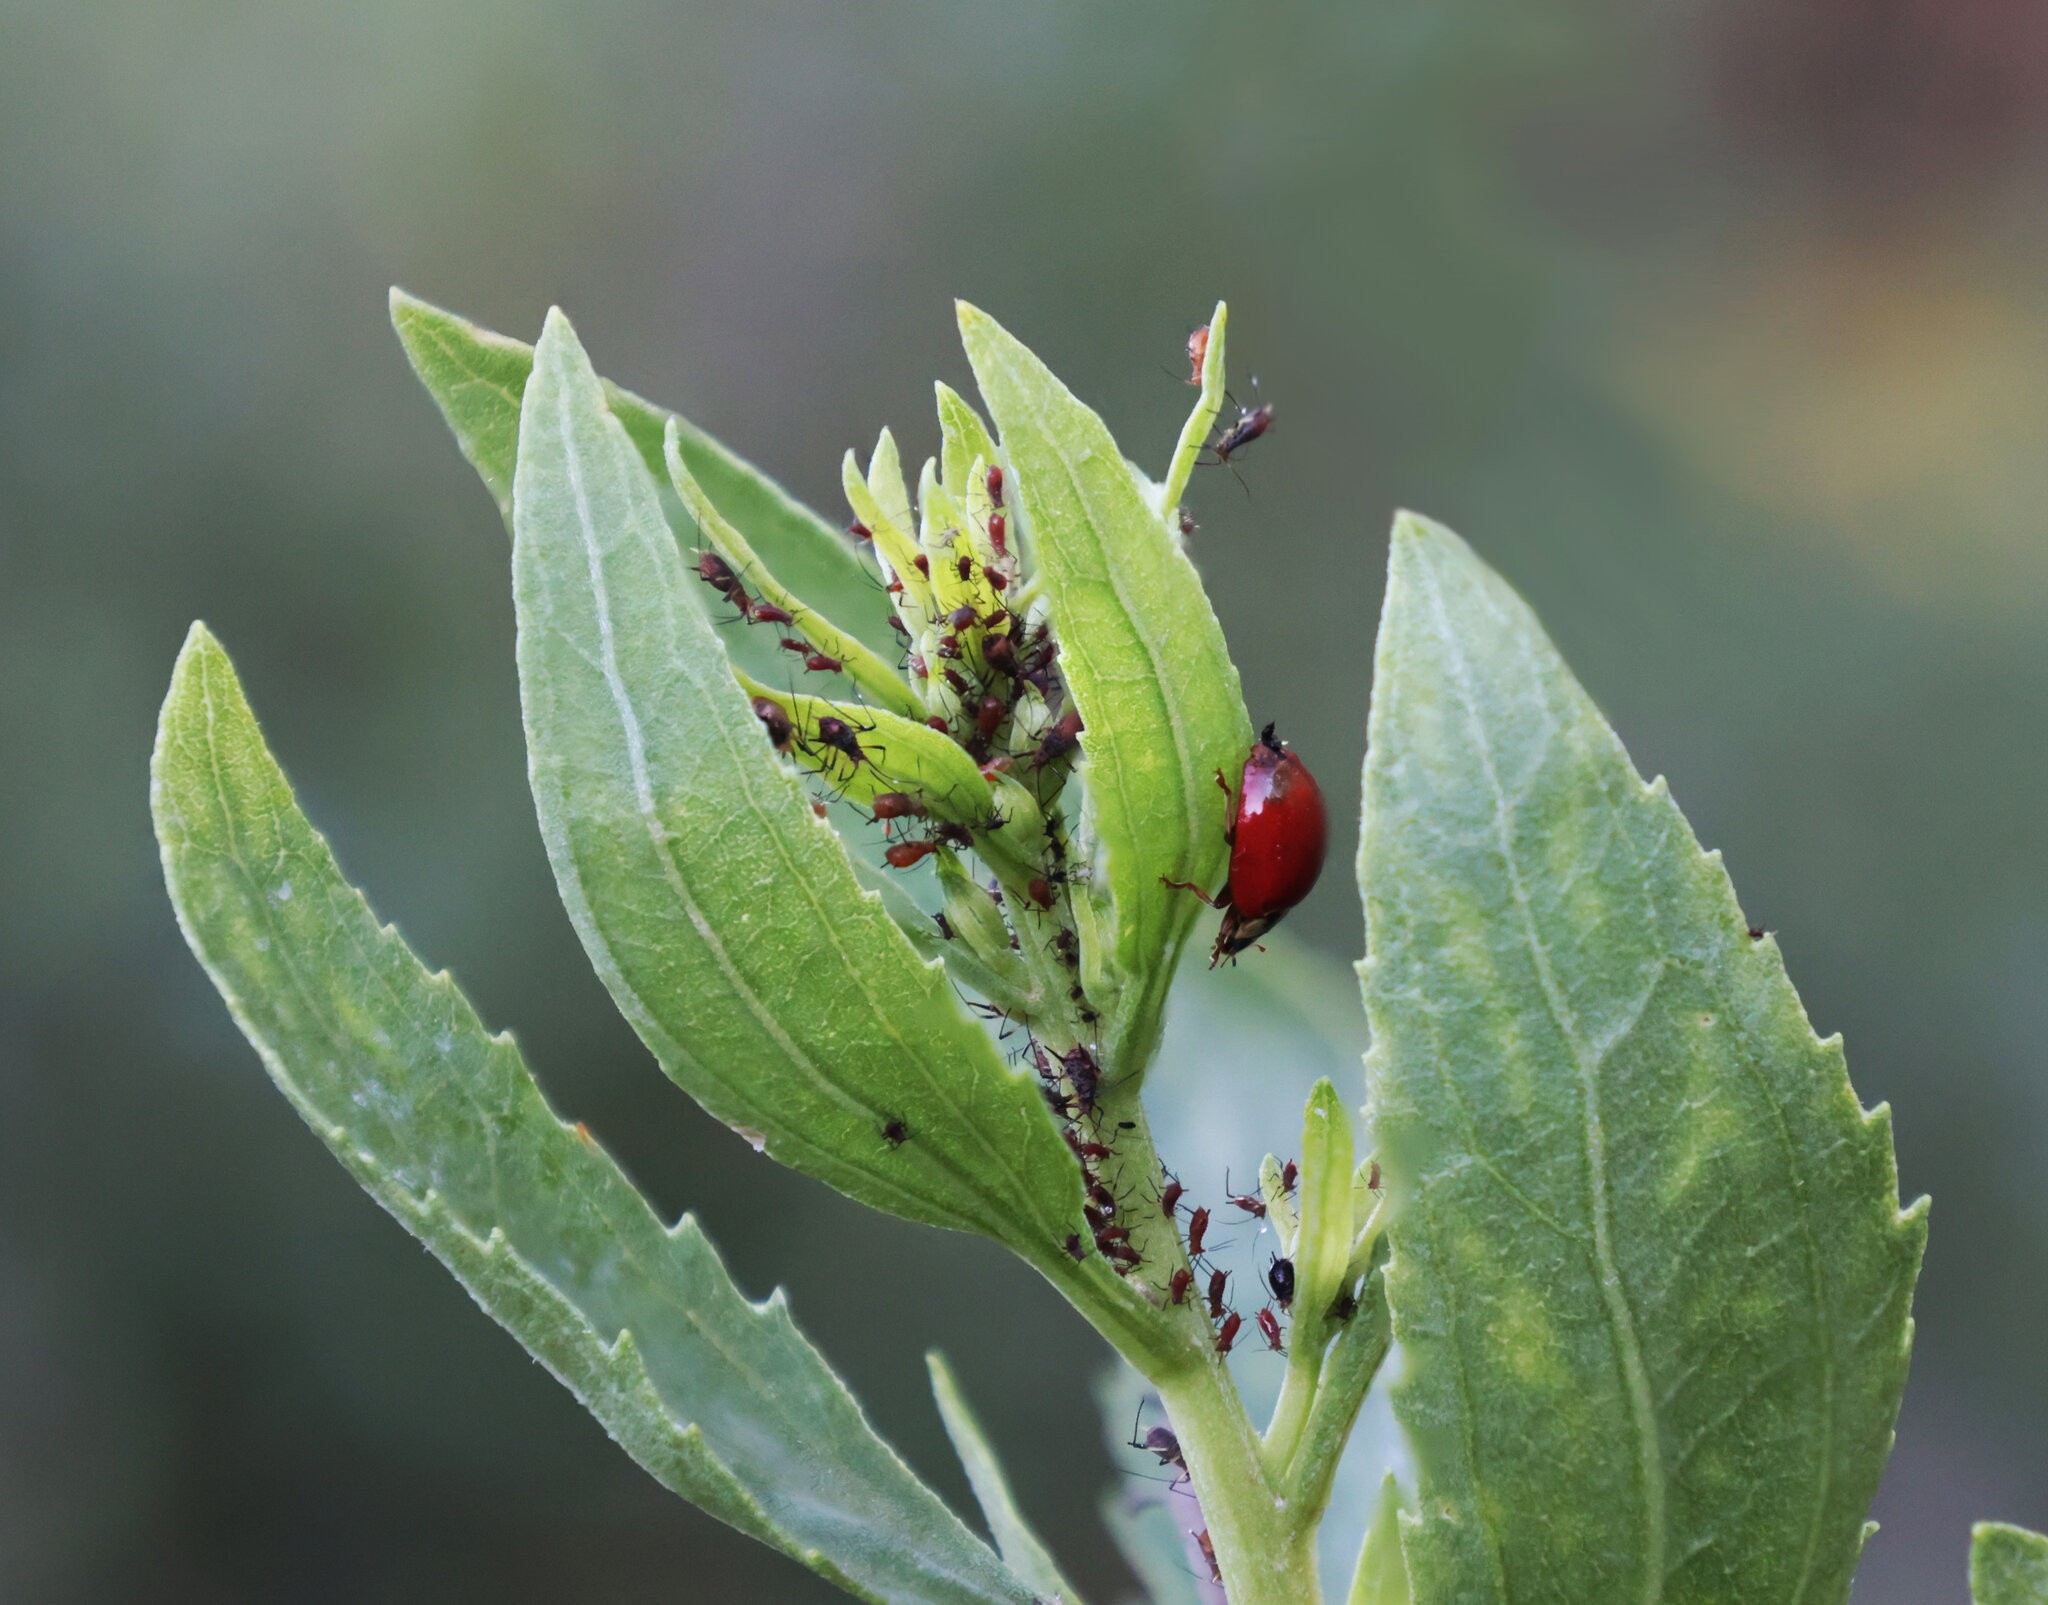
column 1189, row 886
column 1229, row 810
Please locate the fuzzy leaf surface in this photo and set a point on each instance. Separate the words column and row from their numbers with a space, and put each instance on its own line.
column 2008, row 1565
column 1022, row 1549
column 721, row 1399
column 1143, row 656
column 476, row 378
column 1650, row 1270
column 724, row 917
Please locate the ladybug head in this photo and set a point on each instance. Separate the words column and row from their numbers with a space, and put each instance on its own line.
column 1270, row 741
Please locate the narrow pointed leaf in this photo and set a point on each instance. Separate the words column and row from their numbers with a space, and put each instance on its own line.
column 724, row 917
column 722, row 1400
column 966, row 438
column 1021, row 1548
column 1650, row 1271
column 1381, row 1579
column 2008, row 1565
column 1142, row 653
column 1201, row 419
column 476, row 378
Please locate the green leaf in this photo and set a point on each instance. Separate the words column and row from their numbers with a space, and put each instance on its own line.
column 721, row 913
column 476, row 377
column 1021, row 1548
column 1143, row 656
column 1201, row 419
column 1381, row 1579
column 722, row 1400
column 2008, row 1565
column 1638, row 1204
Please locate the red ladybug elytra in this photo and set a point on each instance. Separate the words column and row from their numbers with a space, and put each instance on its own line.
column 1278, row 834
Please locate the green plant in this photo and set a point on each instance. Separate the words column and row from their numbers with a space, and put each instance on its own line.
column 1638, row 1241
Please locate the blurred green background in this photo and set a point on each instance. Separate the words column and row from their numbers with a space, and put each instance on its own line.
column 1722, row 329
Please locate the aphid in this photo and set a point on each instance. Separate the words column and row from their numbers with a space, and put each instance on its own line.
column 1183, row 1279
column 860, row 531
column 1756, row 933
column 1343, row 1306
column 1124, row 1257
column 1040, row 892
column 1372, row 1176
column 1198, row 353
column 1251, row 1203
column 1000, row 653
column 1208, row 1548
column 838, row 735
column 1112, row 1234
column 1169, row 1198
column 954, row 678
column 945, row 926
column 1278, row 834
column 1248, row 428
column 1217, row 1281
column 922, row 564
column 997, row 579
column 1075, row 1251
column 1280, row 1278
column 1064, row 736
column 938, row 723
column 1085, row 1075
column 1269, row 1327
column 790, row 643
column 904, row 854
column 1290, row 1173
column 1101, row 1197
column 995, row 488
column 768, row 613
column 896, row 1134
column 990, row 714
column 1198, row 1225
column 897, row 805
column 823, row 664
column 781, row 732
column 1086, row 1152
column 963, row 616
column 819, row 808
column 966, row 566
column 949, row 646
column 957, row 835
column 715, row 572
column 1188, row 526
column 1227, row 1333
column 1159, row 1441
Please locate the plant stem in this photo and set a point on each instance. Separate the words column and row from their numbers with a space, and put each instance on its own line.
column 1347, row 1373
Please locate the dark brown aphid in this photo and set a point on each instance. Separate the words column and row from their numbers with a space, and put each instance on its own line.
column 1269, row 1327
column 1198, row 1227
column 1085, row 1075
column 897, row 805
column 1343, row 1306
column 1062, row 738
column 1756, row 933
column 945, row 926
column 948, row 647
column 1159, row 1441
column 1000, row 653
column 781, row 732
column 990, row 713
column 966, row 566
column 1280, row 1278
column 1290, row 1173
column 1170, row 1196
column 1248, row 428
column 1217, row 1281
column 997, row 579
column 1183, row 1279
column 922, row 564
column 1112, row 1234
column 896, row 1134
column 904, row 854
column 954, row 678
column 1124, row 1257
column 837, row 734
column 1188, row 526
column 715, row 572
column 1075, row 1251
column 1227, row 1334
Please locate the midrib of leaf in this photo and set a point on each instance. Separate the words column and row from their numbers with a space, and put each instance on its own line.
column 1621, row 1319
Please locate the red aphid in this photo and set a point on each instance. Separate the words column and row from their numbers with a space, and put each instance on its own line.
column 1269, row 1328
column 1198, row 1225
column 767, row 613
column 1217, row 1282
column 904, row 854
column 995, row 484
column 1183, row 1279
column 1063, row 738
column 999, row 535
column 1227, row 1333
column 1278, row 835
column 1198, row 353
column 897, row 805
column 1169, row 1198
column 1040, row 892
column 823, row 664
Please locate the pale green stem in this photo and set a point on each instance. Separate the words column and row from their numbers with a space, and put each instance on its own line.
column 1347, row 1373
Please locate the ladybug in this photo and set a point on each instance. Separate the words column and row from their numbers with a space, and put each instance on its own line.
column 1278, row 834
